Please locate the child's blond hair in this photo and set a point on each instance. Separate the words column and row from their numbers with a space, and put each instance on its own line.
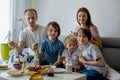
column 69, row 39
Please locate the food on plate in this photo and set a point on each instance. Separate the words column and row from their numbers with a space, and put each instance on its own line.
column 16, row 73
column 36, row 69
column 4, row 66
column 36, row 76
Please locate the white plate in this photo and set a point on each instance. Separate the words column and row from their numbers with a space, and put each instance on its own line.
column 52, row 66
column 15, row 73
column 3, row 68
column 59, row 70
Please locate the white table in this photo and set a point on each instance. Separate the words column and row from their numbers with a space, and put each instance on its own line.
column 57, row 76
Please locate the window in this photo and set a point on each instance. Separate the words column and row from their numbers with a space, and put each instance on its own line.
column 4, row 19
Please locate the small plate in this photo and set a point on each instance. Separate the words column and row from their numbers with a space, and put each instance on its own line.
column 16, row 73
column 4, row 67
column 52, row 66
column 59, row 70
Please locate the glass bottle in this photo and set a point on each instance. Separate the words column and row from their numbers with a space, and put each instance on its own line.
column 68, row 65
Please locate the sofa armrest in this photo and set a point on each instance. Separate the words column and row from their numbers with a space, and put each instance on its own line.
column 111, row 52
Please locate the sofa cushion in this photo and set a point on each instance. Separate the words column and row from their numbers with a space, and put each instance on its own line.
column 112, row 57
column 111, row 42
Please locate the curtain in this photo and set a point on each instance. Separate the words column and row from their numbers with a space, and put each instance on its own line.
column 17, row 15
column 4, row 20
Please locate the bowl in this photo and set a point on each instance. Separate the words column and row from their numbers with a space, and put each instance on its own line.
column 52, row 66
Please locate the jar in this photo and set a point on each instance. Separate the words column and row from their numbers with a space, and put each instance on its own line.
column 68, row 67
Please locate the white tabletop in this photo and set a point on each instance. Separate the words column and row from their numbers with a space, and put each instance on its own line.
column 57, row 76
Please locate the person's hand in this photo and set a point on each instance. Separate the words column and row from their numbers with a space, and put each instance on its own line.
column 82, row 59
column 64, row 62
column 12, row 44
column 42, row 54
column 76, row 69
column 35, row 46
column 72, row 33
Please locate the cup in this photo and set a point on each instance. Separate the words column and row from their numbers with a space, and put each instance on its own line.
column 18, row 66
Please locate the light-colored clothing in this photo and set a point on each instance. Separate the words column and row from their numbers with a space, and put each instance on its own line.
column 51, row 49
column 32, row 37
column 74, row 56
column 93, row 30
column 91, row 52
column 27, row 55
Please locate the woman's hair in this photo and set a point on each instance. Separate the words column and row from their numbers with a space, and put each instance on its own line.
column 88, row 22
column 85, row 31
column 30, row 9
column 69, row 39
column 55, row 25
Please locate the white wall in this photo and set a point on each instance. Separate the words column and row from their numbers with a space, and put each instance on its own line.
column 104, row 13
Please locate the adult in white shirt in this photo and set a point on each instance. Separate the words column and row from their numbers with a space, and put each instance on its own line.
column 33, row 33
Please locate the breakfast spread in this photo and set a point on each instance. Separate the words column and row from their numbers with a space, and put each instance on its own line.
column 3, row 66
column 36, row 69
column 16, row 72
column 36, row 76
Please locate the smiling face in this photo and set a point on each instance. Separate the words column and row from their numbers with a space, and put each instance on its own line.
column 84, row 36
column 71, row 43
column 82, row 18
column 52, row 33
column 52, row 30
column 30, row 18
column 71, row 46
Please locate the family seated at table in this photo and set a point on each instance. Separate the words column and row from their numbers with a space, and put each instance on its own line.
column 88, row 54
column 85, row 56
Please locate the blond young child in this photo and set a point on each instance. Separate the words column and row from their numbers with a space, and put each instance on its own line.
column 72, row 51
